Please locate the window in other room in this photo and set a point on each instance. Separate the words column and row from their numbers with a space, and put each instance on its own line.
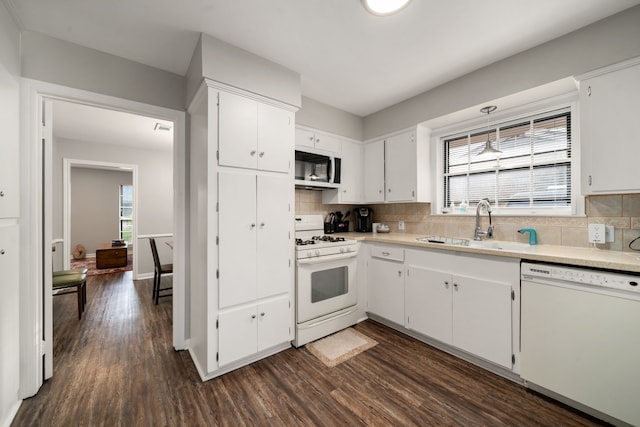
column 126, row 213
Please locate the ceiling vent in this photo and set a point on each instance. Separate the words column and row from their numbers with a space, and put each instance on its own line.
column 162, row 126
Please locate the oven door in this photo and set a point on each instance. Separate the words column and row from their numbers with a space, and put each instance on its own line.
column 325, row 285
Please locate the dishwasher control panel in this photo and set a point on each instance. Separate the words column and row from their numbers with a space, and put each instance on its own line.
column 626, row 282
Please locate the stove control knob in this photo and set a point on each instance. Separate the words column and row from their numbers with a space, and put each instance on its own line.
column 341, row 250
column 317, row 252
column 310, row 253
column 349, row 249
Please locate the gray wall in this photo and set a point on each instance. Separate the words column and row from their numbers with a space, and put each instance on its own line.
column 155, row 190
column 55, row 61
column 605, row 42
column 324, row 117
column 236, row 67
column 94, row 206
column 10, row 300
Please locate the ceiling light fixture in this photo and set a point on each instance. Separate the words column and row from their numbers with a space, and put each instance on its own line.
column 488, row 148
column 384, row 7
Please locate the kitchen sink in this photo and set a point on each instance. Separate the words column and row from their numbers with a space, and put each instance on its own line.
column 444, row 240
column 484, row 244
column 505, row 246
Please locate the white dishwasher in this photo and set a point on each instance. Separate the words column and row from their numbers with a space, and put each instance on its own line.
column 580, row 337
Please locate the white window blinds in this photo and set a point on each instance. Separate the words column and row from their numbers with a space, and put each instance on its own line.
column 533, row 170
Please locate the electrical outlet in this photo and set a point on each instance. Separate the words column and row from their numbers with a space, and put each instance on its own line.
column 401, row 225
column 609, row 234
column 597, row 233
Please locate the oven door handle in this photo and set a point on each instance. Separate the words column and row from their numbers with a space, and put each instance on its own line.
column 327, row 258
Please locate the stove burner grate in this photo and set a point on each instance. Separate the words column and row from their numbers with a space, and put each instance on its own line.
column 326, row 238
column 300, row 242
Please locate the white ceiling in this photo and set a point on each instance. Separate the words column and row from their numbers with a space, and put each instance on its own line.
column 98, row 125
column 346, row 57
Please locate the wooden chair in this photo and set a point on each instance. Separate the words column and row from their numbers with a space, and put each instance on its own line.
column 159, row 270
column 70, row 281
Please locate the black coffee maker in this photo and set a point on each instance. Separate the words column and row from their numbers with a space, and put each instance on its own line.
column 364, row 219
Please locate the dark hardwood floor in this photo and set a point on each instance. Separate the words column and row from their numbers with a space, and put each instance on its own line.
column 117, row 367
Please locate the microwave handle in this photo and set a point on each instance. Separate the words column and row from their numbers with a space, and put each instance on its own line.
column 332, row 172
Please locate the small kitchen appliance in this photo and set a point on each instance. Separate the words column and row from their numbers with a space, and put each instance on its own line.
column 364, row 220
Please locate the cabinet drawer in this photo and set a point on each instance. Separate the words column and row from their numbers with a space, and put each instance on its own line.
column 386, row 252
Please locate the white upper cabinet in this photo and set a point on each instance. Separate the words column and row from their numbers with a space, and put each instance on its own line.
column 9, row 148
column 374, row 172
column 254, row 135
column 401, row 174
column 306, row 138
column 396, row 169
column 351, row 184
column 610, row 145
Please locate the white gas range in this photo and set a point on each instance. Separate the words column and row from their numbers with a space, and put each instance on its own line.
column 326, row 290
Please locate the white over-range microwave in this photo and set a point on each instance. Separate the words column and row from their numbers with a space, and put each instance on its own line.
column 316, row 170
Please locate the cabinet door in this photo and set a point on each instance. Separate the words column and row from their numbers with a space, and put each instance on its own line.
column 374, row 172
column 428, row 302
column 274, row 323
column 386, row 289
column 9, row 147
column 237, row 334
column 274, row 250
column 400, row 167
column 482, row 318
column 305, row 138
column 237, row 233
column 609, row 106
column 275, row 138
column 351, row 177
column 237, row 131
column 328, row 143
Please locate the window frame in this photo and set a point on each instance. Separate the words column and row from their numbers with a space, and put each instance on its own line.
column 123, row 218
column 506, row 117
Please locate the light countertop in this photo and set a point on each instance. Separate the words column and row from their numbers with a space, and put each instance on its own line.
column 583, row 257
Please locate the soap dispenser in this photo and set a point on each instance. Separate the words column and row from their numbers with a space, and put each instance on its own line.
column 533, row 236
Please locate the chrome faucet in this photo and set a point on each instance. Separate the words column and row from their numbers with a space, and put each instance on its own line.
column 479, row 234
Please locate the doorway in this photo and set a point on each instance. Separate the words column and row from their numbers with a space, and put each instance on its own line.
column 36, row 310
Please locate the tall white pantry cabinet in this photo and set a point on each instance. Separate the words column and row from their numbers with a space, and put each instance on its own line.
column 241, row 228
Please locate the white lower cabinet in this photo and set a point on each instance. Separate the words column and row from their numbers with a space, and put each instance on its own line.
column 429, row 302
column 386, row 289
column 474, row 309
column 469, row 313
column 246, row 330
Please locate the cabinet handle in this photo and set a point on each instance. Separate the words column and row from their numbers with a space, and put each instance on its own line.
column 261, row 314
column 261, row 154
column 399, row 273
column 1, row 251
column 253, row 226
column 262, row 225
column 318, row 140
column 385, row 254
column 389, row 190
column 455, row 286
column 1, row 193
column 379, row 191
column 344, row 191
column 310, row 138
column 253, row 152
column 446, row 285
column 253, row 316
column 589, row 91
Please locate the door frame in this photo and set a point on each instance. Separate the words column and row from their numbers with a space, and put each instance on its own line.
column 66, row 201
column 32, row 94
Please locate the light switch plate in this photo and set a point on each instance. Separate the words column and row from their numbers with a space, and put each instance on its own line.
column 597, row 233
column 400, row 225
